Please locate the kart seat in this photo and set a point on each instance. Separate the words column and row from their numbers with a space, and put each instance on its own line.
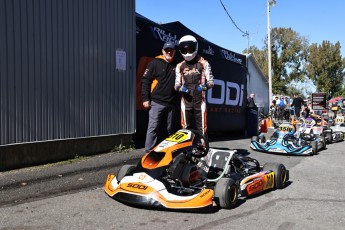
column 183, row 170
column 217, row 164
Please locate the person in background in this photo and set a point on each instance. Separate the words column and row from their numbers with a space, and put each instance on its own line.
column 343, row 107
column 335, row 108
column 274, row 101
column 158, row 94
column 274, row 107
column 193, row 78
column 306, row 111
column 287, row 108
column 250, row 101
column 281, row 107
column 297, row 103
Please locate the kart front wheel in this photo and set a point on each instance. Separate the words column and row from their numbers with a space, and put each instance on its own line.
column 255, row 138
column 313, row 148
column 124, row 170
column 281, row 175
column 260, row 139
column 226, row 193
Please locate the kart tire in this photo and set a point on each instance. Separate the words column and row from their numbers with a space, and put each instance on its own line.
column 314, row 148
column 281, row 175
column 262, row 139
column 226, row 193
column 255, row 138
column 323, row 139
column 124, row 170
column 329, row 137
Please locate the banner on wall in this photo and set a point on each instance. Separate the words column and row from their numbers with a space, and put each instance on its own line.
column 226, row 101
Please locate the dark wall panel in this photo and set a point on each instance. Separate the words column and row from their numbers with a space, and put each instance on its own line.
column 58, row 76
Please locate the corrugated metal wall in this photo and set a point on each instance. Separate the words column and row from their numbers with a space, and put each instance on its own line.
column 58, row 76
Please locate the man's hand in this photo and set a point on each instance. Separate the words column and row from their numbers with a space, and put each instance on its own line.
column 146, row 104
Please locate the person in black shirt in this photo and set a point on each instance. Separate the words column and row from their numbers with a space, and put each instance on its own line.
column 251, row 102
column 297, row 102
column 158, row 94
column 306, row 111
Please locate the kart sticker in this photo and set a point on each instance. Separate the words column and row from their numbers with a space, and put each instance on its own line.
column 339, row 119
column 177, row 137
column 269, row 180
column 286, row 128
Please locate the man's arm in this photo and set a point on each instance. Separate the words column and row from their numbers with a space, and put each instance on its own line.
column 146, row 82
column 178, row 77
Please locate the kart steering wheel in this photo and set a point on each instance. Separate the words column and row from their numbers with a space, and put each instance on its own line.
column 200, row 144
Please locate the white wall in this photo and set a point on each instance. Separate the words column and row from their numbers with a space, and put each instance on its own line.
column 257, row 84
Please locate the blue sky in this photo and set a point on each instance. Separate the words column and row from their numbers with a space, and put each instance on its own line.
column 317, row 20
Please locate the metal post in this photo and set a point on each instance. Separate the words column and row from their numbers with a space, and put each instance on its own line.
column 269, row 53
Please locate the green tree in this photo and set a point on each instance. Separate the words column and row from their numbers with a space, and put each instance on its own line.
column 260, row 57
column 325, row 67
column 289, row 51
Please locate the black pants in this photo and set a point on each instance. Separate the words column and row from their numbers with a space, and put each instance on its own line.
column 297, row 111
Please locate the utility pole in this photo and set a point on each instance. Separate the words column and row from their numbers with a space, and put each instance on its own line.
column 269, row 3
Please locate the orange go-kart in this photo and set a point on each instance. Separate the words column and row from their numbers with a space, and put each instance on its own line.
column 182, row 172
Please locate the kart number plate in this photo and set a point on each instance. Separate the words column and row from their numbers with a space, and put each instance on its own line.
column 286, row 128
column 339, row 119
column 177, row 137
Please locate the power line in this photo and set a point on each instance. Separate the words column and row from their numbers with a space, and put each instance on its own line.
column 243, row 33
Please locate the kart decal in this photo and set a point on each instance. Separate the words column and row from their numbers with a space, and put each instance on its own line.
column 174, row 139
column 256, row 186
column 269, row 180
column 285, row 128
column 252, row 177
column 178, row 137
column 257, row 182
column 339, row 119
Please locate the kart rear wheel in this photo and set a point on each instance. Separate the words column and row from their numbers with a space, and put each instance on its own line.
column 329, row 137
column 314, row 148
column 281, row 175
column 226, row 193
column 124, row 170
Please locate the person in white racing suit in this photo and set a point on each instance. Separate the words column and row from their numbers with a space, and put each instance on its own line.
column 193, row 78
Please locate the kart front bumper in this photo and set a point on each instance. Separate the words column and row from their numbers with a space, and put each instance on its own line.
column 154, row 195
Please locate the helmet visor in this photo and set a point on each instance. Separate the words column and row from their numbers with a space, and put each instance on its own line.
column 187, row 47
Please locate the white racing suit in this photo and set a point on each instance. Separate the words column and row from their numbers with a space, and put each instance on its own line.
column 193, row 78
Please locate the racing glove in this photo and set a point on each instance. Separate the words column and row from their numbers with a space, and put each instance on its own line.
column 183, row 89
column 202, row 87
